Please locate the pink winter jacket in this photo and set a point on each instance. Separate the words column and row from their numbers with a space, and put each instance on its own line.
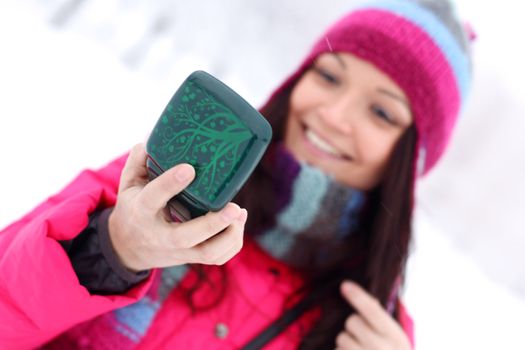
column 41, row 298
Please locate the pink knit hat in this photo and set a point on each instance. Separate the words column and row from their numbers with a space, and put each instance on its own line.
column 423, row 47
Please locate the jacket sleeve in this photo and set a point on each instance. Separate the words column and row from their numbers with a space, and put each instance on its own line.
column 40, row 294
column 95, row 262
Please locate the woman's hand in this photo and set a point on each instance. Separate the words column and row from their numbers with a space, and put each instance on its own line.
column 144, row 237
column 371, row 327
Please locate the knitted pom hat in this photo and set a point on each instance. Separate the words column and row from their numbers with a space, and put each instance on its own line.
column 422, row 46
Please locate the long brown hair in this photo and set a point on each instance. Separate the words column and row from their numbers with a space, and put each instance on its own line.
column 382, row 242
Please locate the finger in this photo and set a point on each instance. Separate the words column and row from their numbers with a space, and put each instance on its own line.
column 216, row 248
column 156, row 194
column 236, row 246
column 134, row 171
column 196, row 231
column 228, row 255
column 367, row 306
column 345, row 341
column 360, row 330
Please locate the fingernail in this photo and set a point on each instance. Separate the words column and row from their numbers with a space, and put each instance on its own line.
column 183, row 173
column 348, row 287
column 242, row 216
column 230, row 213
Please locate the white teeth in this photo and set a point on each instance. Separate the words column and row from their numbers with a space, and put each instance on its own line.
column 319, row 142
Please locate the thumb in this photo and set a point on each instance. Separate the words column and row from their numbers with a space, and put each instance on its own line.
column 134, row 172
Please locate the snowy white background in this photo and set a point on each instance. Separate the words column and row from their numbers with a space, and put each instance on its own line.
column 81, row 81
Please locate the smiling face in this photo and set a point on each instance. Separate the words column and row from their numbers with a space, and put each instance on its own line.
column 345, row 117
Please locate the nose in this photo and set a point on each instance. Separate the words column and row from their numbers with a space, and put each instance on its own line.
column 337, row 113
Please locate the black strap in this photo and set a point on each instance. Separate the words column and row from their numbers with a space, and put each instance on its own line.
column 279, row 325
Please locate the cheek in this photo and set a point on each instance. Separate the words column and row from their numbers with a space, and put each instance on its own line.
column 375, row 148
column 305, row 96
column 292, row 133
column 296, row 112
column 296, row 102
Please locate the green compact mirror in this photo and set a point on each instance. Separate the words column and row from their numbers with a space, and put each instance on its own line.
column 211, row 127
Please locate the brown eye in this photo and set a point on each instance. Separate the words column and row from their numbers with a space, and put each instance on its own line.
column 326, row 76
column 381, row 113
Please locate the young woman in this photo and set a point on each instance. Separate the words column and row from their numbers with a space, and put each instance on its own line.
column 370, row 109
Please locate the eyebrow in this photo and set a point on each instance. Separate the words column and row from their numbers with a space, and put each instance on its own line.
column 338, row 58
column 394, row 96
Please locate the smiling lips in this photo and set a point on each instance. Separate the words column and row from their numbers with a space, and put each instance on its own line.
column 322, row 146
